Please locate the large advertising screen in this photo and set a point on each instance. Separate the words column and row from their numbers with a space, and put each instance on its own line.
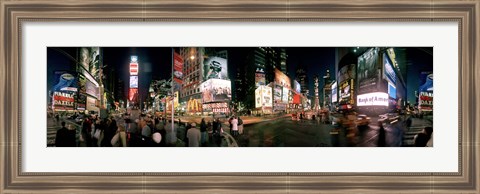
column 388, row 72
column 133, row 94
column 91, row 89
column 216, row 90
column 282, row 79
column 285, row 93
column 277, row 94
column 346, row 72
column 90, row 60
column 296, row 86
column 334, row 92
column 215, row 68
column 425, row 97
column 263, row 96
column 63, row 100
column 373, row 99
column 133, row 81
column 133, row 68
column 345, row 90
column 392, row 91
column 367, row 71
column 259, row 78
column 65, row 81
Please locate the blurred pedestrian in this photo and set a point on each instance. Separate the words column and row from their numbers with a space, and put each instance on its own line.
column 234, row 125
column 240, row 126
column 381, row 135
column 422, row 138
column 87, row 132
column 203, row 130
column 194, row 136
column 65, row 137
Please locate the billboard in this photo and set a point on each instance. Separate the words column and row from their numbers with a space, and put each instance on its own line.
column 296, row 86
column 133, row 81
column 285, row 93
column 133, row 94
column 92, row 104
column 345, row 91
column 91, row 89
column 217, row 107
column 215, row 68
column 277, row 94
column 177, row 68
column 263, row 96
column 388, row 72
column 392, row 91
column 425, row 97
column 90, row 60
column 346, row 72
column 65, row 81
column 373, row 99
column 334, row 92
column 367, row 71
column 282, row 79
column 133, row 68
column 63, row 100
column 259, row 78
column 216, row 90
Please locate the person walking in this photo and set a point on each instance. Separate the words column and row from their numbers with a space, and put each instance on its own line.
column 203, row 131
column 87, row 132
column 422, row 138
column 64, row 137
column 240, row 126
column 194, row 136
column 234, row 125
column 381, row 135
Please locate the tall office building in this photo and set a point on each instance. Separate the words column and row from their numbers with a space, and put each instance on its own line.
column 192, row 73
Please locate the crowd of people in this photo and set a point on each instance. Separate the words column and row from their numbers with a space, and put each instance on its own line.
column 146, row 130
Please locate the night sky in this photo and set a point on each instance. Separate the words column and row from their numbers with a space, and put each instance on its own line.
column 155, row 63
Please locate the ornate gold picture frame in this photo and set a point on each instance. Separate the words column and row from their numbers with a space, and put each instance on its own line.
column 13, row 13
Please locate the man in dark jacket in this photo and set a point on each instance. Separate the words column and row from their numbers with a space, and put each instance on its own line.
column 65, row 137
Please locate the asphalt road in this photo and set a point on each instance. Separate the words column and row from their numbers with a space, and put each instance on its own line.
column 287, row 133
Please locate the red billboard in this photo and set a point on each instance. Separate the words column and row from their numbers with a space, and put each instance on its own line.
column 177, row 68
column 133, row 68
column 133, row 94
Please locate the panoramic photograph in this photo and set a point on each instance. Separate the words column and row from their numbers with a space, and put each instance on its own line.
column 239, row 97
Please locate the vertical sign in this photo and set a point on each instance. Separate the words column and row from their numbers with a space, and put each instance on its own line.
column 177, row 68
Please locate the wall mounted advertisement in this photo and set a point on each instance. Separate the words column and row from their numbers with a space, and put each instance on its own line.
column 346, row 72
column 277, row 94
column 259, row 78
column 285, row 94
column 263, row 97
column 367, row 71
column 92, row 89
column 425, row 97
column 373, row 99
column 296, row 86
column 216, row 90
column 65, row 81
column 388, row 72
column 217, row 107
column 392, row 91
column 133, row 68
column 133, row 81
column 133, row 94
column 334, row 92
column 282, row 79
column 90, row 60
column 215, row 68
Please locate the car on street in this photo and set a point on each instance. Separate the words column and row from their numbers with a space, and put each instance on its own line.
column 362, row 120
